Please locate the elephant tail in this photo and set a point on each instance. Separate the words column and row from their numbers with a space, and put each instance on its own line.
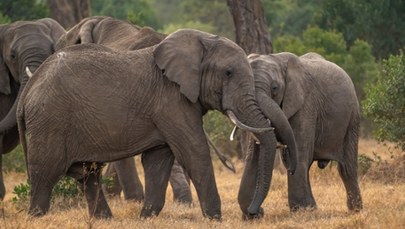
column 22, row 129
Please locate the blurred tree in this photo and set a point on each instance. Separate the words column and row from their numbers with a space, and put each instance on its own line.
column 69, row 12
column 379, row 22
column 290, row 17
column 213, row 13
column 17, row 10
column 139, row 12
column 385, row 103
column 250, row 26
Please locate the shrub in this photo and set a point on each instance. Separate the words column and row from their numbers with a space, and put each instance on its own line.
column 385, row 102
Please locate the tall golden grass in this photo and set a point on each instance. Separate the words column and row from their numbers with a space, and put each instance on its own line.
column 384, row 202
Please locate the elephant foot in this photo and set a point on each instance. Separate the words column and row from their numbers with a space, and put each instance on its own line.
column 355, row 205
column 308, row 207
column 36, row 212
column 148, row 213
column 253, row 216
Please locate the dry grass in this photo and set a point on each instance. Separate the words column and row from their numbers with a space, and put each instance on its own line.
column 384, row 203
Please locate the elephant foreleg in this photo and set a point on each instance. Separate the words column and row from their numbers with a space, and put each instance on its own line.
column 299, row 188
column 180, row 184
column 157, row 164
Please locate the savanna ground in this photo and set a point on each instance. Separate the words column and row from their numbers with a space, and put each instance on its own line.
column 382, row 186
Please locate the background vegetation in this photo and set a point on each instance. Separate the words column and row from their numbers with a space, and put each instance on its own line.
column 364, row 37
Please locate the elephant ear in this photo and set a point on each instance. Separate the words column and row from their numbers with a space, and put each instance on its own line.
column 294, row 91
column 55, row 29
column 4, row 73
column 179, row 56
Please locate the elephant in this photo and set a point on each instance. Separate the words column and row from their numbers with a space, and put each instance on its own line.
column 122, row 35
column 24, row 45
column 320, row 102
column 88, row 104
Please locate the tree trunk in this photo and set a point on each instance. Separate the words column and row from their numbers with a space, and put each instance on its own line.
column 69, row 12
column 250, row 25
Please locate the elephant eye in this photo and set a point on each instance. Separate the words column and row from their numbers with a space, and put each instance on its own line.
column 12, row 55
column 274, row 88
column 228, row 73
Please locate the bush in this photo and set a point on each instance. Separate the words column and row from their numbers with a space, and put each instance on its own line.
column 385, row 103
column 14, row 161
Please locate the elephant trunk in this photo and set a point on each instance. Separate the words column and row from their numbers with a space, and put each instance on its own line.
column 10, row 120
column 256, row 179
column 282, row 127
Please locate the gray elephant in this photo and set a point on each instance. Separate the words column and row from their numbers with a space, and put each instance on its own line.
column 88, row 104
column 320, row 102
column 122, row 35
column 24, row 45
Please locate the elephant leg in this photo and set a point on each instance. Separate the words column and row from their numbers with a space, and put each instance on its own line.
column 299, row 188
column 113, row 188
column 129, row 179
column 2, row 187
column 91, row 187
column 42, row 180
column 157, row 164
column 180, row 184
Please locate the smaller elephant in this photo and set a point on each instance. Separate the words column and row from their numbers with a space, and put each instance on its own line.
column 24, row 45
column 320, row 102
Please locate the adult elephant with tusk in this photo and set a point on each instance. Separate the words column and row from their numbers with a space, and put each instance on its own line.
column 24, row 45
column 88, row 103
column 122, row 35
column 320, row 102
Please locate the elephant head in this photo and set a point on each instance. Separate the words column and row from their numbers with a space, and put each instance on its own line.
column 214, row 72
column 24, row 45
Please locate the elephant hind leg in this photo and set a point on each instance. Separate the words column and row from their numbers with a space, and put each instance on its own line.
column 348, row 169
column 42, row 181
column 349, row 177
column 92, row 189
column 157, row 164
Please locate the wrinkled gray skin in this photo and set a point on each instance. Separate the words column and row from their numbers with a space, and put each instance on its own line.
column 72, row 119
column 23, row 44
column 319, row 99
column 122, row 35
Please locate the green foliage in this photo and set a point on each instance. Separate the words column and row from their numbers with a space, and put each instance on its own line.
column 385, row 103
column 139, row 12
column 219, row 128
column 4, row 19
column 14, row 160
column 357, row 61
column 213, row 13
column 66, row 188
column 364, row 163
column 16, row 10
column 170, row 28
column 380, row 22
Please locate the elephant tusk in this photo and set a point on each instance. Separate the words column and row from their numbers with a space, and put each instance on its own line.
column 28, row 71
column 232, row 137
column 242, row 126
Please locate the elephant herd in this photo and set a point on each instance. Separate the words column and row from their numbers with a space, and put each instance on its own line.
column 107, row 90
